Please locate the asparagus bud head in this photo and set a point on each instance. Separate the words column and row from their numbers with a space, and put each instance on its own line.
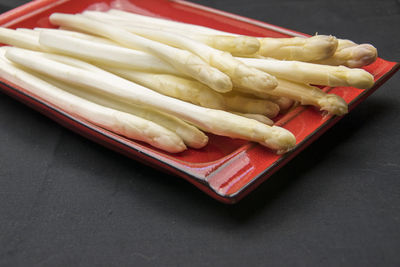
column 333, row 104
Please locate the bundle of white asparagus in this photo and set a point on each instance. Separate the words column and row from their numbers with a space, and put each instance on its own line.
column 166, row 83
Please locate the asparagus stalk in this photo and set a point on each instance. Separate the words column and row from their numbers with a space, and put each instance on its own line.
column 105, row 54
column 351, row 55
column 240, row 74
column 119, row 122
column 19, row 39
column 299, row 48
column 214, row 121
column 79, row 35
column 310, row 73
column 238, row 45
column 317, row 47
column 182, row 60
column 257, row 117
column 173, row 86
column 160, row 22
column 310, row 95
column 244, row 104
column 303, row 49
column 190, row 135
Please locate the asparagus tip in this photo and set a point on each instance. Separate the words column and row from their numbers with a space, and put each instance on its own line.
column 282, row 140
column 363, row 54
column 333, row 104
column 324, row 46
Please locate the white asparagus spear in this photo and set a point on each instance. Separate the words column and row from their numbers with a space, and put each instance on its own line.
column 214, row 121
column 160, row 22
column 309, row 73
column 240, row 74
column 182, row 60
column 317, row 47
column 86, row 47
column 351, row 55
column 190, row 135
column 105, row 54
column 184, row 89
column 79, row 35
column 252, row 105
column 257, row 117
column 197, row 93
column 294, row 48
column 310, row 95
column 243, row 45
column 119, row 122
column 19, row 39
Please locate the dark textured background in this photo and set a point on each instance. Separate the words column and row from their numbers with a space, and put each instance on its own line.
column 65, row 201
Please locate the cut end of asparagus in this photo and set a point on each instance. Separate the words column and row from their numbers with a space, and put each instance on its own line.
column 281, row 140
column 333, row 104
column 362, row 55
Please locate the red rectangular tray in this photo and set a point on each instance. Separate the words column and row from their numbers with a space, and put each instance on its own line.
column 226, row 169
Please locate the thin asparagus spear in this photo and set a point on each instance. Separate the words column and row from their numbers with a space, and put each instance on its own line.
column 310, row 73
column 310, row 95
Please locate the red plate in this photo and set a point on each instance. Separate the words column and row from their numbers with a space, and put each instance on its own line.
column 226, row 169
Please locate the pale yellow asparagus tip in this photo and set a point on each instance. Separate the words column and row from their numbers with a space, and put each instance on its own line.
column 324, row 45
column 360, row 78
column 362, row 55
column 284, row 104
column 351, row 55
column 254, row 79
column 281, row 140
column 314, row 48
column 333, row 104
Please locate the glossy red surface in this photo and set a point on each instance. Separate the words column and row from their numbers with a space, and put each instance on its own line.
column 226, row 169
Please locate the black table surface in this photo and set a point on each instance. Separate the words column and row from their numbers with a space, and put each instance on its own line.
column 66, row 201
